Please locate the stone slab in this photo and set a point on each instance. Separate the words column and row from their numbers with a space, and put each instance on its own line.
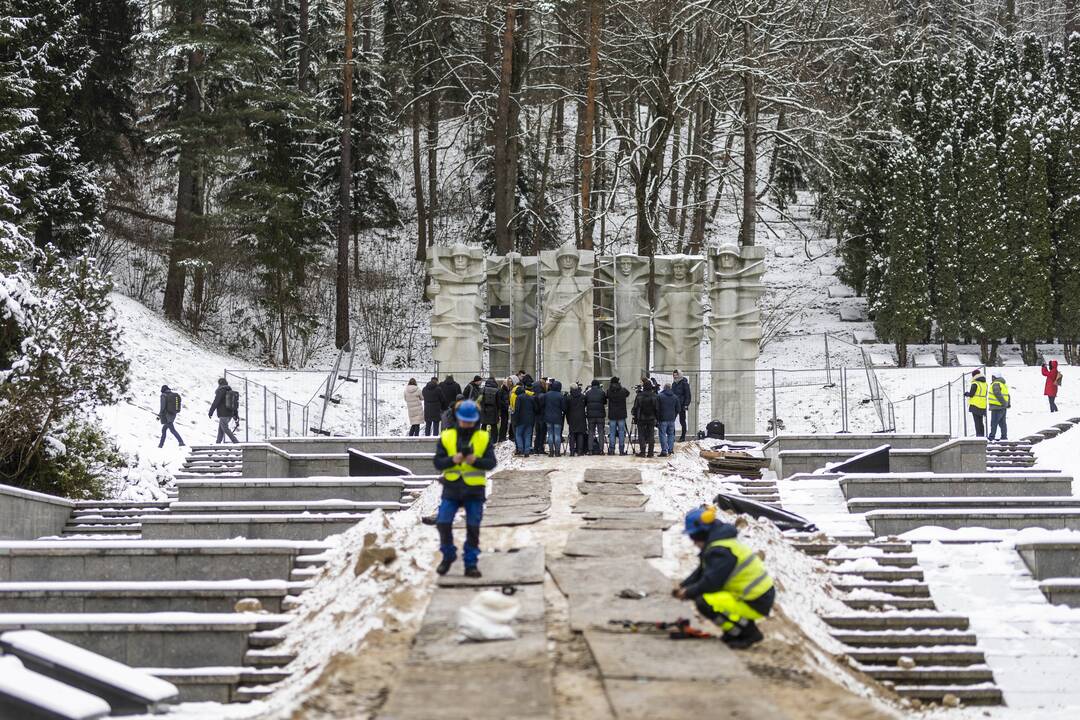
column 926, row 360
column 525, row 475
column 592, row 586
column 865, row 337
column 601, row 488
column 614, row 543
column 882, row 360
column 629, row 656
column 841, row 291
column 599, row 503
column 687, row 700
column 438, row 639
column 510, row 519
column 629, row 521
column 968, row 360
column 852, row 314
column 612, row 475
column 474, row 691
column 501, row 501
column 784, row 251
column 524, row 567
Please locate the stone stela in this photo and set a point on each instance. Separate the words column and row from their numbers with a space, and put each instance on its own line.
column 572, row 315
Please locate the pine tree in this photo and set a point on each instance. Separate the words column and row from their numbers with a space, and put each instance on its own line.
column 901, row 303
column 1033, row 320
column 1066, row 247
column 946, row 261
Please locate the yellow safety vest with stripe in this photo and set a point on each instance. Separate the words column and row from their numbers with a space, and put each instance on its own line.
column 978, row 400
column 471, row 475
column 748, row 581
column 1003, row 388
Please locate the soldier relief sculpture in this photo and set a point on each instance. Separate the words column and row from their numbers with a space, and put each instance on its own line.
column 551, row 301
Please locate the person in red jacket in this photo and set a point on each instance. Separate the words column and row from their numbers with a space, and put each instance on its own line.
column 1053, row 382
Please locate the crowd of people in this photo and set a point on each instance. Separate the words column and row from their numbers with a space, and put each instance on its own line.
column 541, row 416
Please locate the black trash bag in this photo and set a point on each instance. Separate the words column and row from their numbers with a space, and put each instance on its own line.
column 781, row 518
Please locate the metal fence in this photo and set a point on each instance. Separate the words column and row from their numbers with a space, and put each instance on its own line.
column 941, row 409
column 264, row 413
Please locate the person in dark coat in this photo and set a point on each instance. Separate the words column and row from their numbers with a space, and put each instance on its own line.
column 669, row 406
column 503, row 399
column 224, row 414
column 167, row 416
column 448, row 416
column 474, row 389
column 540, row 389
column 646, row 410
column 681, row 387
column 488, row 400
column 575, row 419
column 595, row 410
column 450, row 390
column 523, row 417
column 433, row 406
column 616, row 414
column 554, row 413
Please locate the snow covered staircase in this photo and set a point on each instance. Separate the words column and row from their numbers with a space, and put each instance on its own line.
column 110, row 518
column 207, row 461
column 1009, row 455
column 895, row 633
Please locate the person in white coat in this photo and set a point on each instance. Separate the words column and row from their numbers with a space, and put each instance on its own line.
column 415, row 404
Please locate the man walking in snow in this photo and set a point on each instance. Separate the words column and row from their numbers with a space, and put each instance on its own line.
column 464, row 455
column 976, row 396
column 167, row 409
column 998, row 401
column 225, row 413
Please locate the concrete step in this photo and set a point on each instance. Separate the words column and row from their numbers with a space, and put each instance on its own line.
column 903, row 638
column 217, row 684
column 881, row 574
column 897, row 620
column 894, row 522
column 88, row 516
column 861, row 505
column 897, row 603
column 143, row 597
column 988, row 484
column 116, row 526
column 88, row 505
column 153, row 639
column 260, row 526
column 138, row 560
column 1051, row 558
column 817, row 549
column 250, row 693
column 296, row 489
column 199, row 470
column 1062, row 591
column 265, row 639
column 898, row 560
column 956, row 656
column 202, row 476
column 983, row 694
column 268, row 658
column 900, row 589
column 945, row 675
column 287, row 507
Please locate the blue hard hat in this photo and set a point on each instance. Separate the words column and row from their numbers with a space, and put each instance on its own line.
column 700, row 519
column 467, row 411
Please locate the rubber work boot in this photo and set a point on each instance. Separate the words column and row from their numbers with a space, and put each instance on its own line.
column 749, row 635
column 444, row 566
column 473, row 572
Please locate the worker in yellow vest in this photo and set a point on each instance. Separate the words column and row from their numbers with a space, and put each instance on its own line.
column 730, row 585
column 976, row 396
column 997, row 398
column 464, row 455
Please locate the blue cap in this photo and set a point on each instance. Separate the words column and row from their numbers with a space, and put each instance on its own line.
column 467, row 411
column 700, row 519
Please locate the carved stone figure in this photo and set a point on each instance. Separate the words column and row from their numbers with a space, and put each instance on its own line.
column 567, row 328
column 735, row 289
column 679, row 320
column 523, row 313
column 500, row 286
column 630, row 283
column 456, row 276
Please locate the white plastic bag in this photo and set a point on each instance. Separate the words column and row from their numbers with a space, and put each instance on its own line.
column 488, row 617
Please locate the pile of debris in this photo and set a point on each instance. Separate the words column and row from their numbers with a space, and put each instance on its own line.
column 735, row 462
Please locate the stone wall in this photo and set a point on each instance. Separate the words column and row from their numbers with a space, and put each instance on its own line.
column 26, row 515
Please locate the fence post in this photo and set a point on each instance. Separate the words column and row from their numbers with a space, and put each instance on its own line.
column 774, row 402
column 276, row 431
column 828, row 365
column 288, row 418
column 914, row 402
column 375, row 409
column 949, row 396
column 264, row 412
column 933, row 410
column 844, row 396
column 247, row 413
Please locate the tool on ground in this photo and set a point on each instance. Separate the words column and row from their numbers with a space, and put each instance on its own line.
column 632, row 594
column 680, row 629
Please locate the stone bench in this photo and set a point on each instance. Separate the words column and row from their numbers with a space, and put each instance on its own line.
column 894, row 522
column 955, row 485
column 125, row 560
column 153, row 639
column 1051, row 559
column 292, row 489
column 265, row 526
column 210, row 596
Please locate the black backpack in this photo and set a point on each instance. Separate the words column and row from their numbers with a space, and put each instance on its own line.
column 490, row 398
column 174, row 403
column 715, row 429
column 232, row 401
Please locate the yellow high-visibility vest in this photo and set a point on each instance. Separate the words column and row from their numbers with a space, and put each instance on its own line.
column 978, row 400
column 471, row 475
column 748, row 581
column 1003, row 388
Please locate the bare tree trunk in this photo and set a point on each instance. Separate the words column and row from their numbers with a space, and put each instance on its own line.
column 693, row 139
column 748, row 231
column 504, row 180
column 701, row 193
column 418, row 175
column 284, row 323
column 1072, row 21
column 304, row 68
column 541, row 192
column 595, row 18
column 187, row 178
column 341, row 319
column 432, row 162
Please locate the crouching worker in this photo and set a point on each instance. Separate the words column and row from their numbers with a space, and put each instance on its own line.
column 730, row 586
column 464, row 455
